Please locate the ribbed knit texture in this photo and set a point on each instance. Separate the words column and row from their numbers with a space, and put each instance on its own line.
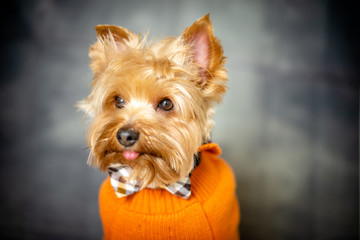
column 211, row 212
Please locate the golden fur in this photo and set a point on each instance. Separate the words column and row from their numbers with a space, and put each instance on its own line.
column 188, row 70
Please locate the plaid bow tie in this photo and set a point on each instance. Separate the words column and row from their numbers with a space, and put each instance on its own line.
column 124, row 187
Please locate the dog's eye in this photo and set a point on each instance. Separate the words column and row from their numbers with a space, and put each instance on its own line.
column 166, row 104
column 119, row 102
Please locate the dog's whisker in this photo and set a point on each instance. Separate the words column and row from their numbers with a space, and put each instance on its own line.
column 89, row 147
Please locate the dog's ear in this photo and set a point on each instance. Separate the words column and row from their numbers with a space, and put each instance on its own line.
column 207, row 53
column 120, row 35
column 111, row 41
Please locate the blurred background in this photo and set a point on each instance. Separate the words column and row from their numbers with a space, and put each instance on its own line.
column 288, row 124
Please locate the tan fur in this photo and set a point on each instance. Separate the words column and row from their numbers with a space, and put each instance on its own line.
column 125, row 64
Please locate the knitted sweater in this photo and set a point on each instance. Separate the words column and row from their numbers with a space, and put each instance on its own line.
column 211, row 212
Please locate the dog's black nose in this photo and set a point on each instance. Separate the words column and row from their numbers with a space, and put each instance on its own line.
column 127, row 137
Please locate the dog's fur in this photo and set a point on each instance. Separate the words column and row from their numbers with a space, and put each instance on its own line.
column 187, row 70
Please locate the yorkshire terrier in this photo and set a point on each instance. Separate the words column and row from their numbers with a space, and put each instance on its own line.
column 152, row 105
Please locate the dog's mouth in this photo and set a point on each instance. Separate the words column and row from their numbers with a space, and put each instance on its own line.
column 129, row 154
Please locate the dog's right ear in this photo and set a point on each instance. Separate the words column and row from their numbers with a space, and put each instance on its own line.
column 120, row 35
column 112, row 40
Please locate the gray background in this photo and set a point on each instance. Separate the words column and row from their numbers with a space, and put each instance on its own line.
column 288, row 125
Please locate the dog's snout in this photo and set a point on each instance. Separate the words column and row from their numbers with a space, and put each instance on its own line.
column 127, row 137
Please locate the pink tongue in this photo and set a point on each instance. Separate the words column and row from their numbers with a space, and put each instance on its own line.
column 130, row 155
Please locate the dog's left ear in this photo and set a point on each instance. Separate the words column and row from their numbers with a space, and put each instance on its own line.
column 207, row 53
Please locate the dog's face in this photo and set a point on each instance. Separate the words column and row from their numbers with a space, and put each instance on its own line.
column 152, row 102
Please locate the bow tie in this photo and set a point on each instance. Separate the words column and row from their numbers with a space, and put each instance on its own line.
column 119, row 178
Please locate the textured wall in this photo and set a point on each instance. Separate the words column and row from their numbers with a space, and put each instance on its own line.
column 288, row 125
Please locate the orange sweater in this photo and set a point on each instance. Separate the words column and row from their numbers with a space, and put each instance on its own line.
column 211, row 212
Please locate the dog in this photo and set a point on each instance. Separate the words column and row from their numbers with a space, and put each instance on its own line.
column 151, row 105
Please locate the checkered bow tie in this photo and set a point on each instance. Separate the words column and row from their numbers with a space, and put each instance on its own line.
column 123, row 187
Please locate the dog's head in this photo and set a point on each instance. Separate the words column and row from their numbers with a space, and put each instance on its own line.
column 152, row 103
